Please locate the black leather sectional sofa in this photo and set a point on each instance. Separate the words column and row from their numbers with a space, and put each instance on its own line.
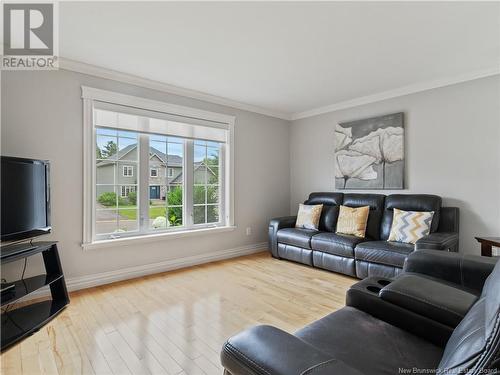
column 440, row 316
column 362, row 257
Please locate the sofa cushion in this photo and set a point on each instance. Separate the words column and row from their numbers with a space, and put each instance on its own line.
column 296, row 236
column 326, row 198
column 328, row 219
column 409, row 202
column 352, row 220
column 336, row 244
column 308, row 216
column 383, row 252
column 295, row 253
column 330, row 213
column 410, row 226
column 376, row 203
column 387, row 348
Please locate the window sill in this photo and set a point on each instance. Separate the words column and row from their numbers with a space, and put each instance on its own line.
column 154, row 237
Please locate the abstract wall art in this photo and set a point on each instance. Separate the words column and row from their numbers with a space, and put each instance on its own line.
column 369, row 153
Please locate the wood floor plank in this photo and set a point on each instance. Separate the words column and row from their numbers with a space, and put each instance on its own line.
column 175, row 323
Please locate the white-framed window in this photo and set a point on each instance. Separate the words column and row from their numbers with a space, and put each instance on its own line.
column 126, row 190
column 128, row 171
column 125, row 133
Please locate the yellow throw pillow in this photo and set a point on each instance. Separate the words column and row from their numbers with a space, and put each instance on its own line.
column 353, row 220
column 410, row 226
column 308, row 216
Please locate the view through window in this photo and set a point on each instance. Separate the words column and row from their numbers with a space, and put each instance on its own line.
column 175, row 184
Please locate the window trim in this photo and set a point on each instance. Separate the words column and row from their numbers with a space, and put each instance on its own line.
column 170, row 169
column 127, row 168
column 151, row 172
column 91, row 95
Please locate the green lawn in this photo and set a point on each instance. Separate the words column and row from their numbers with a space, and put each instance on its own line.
column 130, row 212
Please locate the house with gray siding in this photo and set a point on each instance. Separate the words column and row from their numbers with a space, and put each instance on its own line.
column 120, row 170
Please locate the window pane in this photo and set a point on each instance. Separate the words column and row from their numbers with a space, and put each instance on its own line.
column 199, row 195
column 175, row 196
column 175, row 161
column 106, row 221
column 126, row 173
column 127, row 220
column 159, row 150
column 199, row 214
column 174, row 216
column 213, row 176
column 157, row 217
column 212, row 157
column 212, row 194
column 212, row 214
column 175, row 140
column 119, row 177
column 127, row 196
column 200, row 173
column 127, row 149
column 105, row 172
column 107, row 131
column 106, row 197
column 158, row 137
column 106, row 147
column 127, row 134
column 200, row 152
column 157, row 195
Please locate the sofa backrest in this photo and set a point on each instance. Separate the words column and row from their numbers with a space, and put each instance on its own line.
column 409, row 202
column 330, row 213
column 474, row 346
column 376, row 203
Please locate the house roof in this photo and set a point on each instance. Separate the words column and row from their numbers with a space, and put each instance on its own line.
column 171, row 160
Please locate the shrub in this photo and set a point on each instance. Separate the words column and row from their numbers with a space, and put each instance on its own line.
column 107, row 199
column 132, row 198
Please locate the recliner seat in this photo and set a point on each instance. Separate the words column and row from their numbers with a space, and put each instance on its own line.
column 362, row 257
column 355, row 342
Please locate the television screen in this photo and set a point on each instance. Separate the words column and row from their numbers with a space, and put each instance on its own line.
column 25, row 198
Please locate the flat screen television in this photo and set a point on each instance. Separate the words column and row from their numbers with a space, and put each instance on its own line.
column 25, row 190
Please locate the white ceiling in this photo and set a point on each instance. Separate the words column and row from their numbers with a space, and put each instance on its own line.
column 286, row 57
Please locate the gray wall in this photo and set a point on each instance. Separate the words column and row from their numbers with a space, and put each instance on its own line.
column 452, row 150
column 452, row 137
column 42, row 118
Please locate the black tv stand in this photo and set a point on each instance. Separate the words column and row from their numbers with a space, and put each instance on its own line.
column 21, row 322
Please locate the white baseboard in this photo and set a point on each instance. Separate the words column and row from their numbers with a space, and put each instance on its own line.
column 88, row 281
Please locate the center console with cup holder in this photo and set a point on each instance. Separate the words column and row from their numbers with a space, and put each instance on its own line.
column 423, row 304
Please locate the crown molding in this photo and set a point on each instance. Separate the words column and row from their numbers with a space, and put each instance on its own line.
column 402, row 91
column 93, row 70
column 97, row 71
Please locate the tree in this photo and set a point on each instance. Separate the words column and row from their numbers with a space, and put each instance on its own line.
column 109, row 150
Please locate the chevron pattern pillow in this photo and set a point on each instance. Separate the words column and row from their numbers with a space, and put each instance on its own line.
column 410, row 226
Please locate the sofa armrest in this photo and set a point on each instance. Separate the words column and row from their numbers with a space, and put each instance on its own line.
column 266, row 350
column 274, row 226
column 467, row 271
column 438, row 241
column 449, row 219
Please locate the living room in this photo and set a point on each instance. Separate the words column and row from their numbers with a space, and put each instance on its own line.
column 250, row 187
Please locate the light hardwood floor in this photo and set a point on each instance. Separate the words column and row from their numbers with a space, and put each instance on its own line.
column 176, row 322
